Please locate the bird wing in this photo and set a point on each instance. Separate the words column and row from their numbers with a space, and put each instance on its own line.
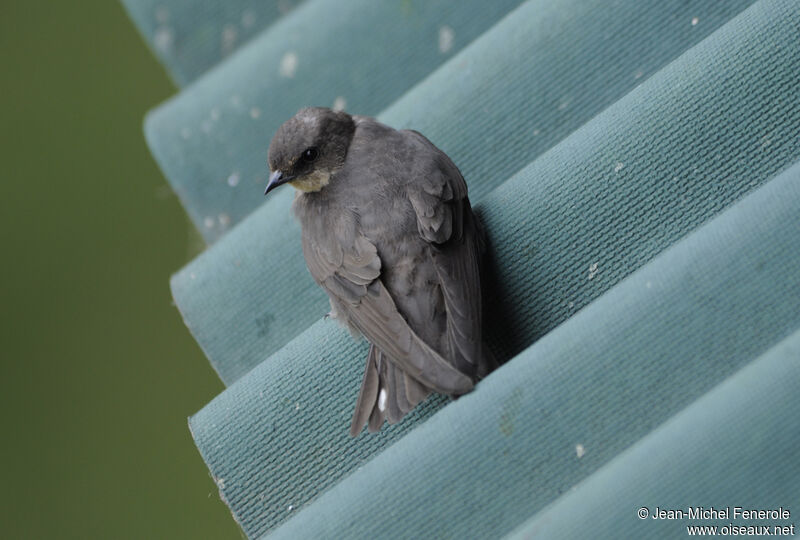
column 346, row 264
column 438, row 194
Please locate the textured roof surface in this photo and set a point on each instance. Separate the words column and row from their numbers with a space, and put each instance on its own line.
column 637, row 168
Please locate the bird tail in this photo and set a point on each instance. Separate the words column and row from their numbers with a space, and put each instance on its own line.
column 387, row 393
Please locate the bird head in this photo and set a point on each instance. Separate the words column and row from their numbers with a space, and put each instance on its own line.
column 308, row 148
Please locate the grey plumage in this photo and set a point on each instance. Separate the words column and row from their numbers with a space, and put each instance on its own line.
column 389, row 234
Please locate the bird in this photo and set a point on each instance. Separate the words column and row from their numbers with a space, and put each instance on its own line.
column 389, row 233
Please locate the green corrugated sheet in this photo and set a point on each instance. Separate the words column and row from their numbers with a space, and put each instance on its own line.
column 524, row 87
column 641, row 252
column 732, row 447
column 563, row 231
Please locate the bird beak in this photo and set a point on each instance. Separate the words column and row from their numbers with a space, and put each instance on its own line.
column 276, row 179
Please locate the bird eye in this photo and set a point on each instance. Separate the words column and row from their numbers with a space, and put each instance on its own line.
column 310, row 154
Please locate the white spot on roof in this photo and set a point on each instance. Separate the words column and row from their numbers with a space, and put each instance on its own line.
column 446, row 38
column 536, row 132
column 639, row 74
column 163, row 38
column 618, row 166
column 649, row 284
column 291, row 507
column 248, row 18
column 288, row 65
column 255, row 112
column 695, row 20
column 208, row 222
column 224, row 220
column 229, row 35
column 563, row 105
column 186, row 133
column 382, row 400
column 233, row 179
column 592, row 270
column 580, row 450
column 339, row 104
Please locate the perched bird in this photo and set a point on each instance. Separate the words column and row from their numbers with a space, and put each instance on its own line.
column 389, row 234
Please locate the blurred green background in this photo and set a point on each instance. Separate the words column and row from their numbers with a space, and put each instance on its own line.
column 99, row 372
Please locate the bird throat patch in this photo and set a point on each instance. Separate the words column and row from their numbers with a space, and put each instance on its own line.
column 314, row 181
